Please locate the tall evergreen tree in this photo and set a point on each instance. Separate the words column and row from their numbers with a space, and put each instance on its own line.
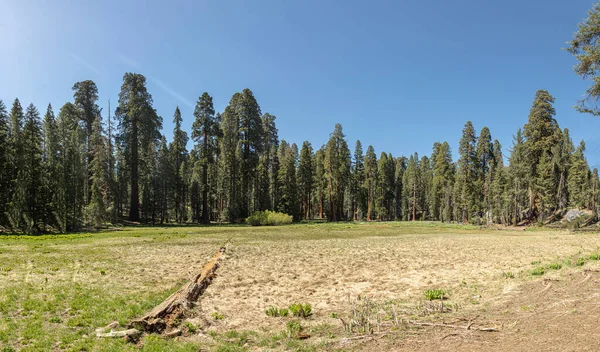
column 305, row 178
column 410, row 187
column 30, row 176
column 96, row 209
column 17, row 194
column 205, row 132
column 578, row 178
column 358, row 180
column 180, row 156
column 5, row 167
column 139, row 126
column 467, row 173
column 370, row 183
column 337, row 162
column 250, row 134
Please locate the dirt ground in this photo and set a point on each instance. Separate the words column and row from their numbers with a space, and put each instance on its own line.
column 486, row 274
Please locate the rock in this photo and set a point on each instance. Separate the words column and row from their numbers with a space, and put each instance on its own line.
column 573, row 214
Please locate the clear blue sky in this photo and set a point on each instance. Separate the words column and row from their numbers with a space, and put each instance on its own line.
column 397, row 74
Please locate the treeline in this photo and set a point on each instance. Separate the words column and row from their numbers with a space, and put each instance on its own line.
column 63, row 172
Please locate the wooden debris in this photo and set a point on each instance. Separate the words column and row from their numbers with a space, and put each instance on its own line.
column 467, row 327
column 163, row 319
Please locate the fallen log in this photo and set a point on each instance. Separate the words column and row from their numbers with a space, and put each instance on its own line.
column 165, row 317
column 468, row 327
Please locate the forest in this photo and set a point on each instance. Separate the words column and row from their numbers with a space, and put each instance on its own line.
column 73, row 170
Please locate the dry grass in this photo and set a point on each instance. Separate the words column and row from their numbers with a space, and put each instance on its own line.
column 325, row 265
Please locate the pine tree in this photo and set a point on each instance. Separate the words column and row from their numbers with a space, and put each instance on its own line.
column 305, row 178
column 179, row 155
column 546, row 185
column 165, row 175
column 30, row 176
column 205, row 132
column 229, row 169
column 424, row 188
column 410, row 187
column 139, row 126
column 5, row 167
column 96, row 210
column 578, row 177
column 443, row 175
column 85, row 94
column 337, row 162
column 251, row 143
column 370, row 183
column 399, row 205
column 586, row 49
column 467, row 174
column 267, row 173
column 17, row 194
column 288, row 189
column 541, row 135
column 386, row 170
column 320, row 180
column 485, row 158
column 517, row 174
column 52, row 170
column 358, row 179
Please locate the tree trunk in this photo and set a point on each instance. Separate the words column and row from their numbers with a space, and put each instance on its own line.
column 166, row 317
column 134, row 207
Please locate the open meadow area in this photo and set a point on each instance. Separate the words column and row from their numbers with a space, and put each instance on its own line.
column 366, row 284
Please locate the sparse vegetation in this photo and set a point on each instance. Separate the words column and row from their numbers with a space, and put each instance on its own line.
column 433, row 294
column 539, row 271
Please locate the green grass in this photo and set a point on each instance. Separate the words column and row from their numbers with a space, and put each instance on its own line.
column 539, row 271
column 435, row 294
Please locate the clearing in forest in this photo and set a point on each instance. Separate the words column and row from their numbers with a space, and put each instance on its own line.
column 371, row 286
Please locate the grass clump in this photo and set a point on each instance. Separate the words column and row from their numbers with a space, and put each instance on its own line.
column 268, row 218
column 594, row 256
column 435, row 294
column 555, row 266
column 273, row 311
column 508, row 274
column 539, row 271
column 217, row 316
column 580, row 261
column 301, row 310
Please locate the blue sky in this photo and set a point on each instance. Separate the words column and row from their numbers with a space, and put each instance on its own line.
column 399, row 75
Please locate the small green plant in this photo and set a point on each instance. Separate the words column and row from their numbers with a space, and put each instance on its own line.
column 435, row 294
column 56, row 320
column 217, row 316
column 536, row 262
column 191, row 328
column 301, row 310
column 580, row 261
column 333, row 315
column 595, row 256
column 272, row 311
column 284, row 312
column 555, row 266
column 5, row 269
column 539, row 271
column 102, row 272
column 508, row 274
column 293, row 327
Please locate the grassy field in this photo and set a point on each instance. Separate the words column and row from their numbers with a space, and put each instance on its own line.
column 358, row 279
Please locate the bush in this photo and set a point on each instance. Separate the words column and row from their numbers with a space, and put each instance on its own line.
column 300, row 310
column 435, row 294
column 268, row 218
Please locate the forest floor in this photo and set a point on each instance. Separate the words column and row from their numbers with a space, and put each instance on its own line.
column 365, row 282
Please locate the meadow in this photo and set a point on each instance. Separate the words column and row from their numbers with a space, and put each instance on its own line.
column 370, row 286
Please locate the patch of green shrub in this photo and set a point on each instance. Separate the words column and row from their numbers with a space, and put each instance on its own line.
column 435, row 294
column 580, row 261
column 555, row 266
column 268, row 218
column 594, row 256
column 539, row 271
column 300, row 310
